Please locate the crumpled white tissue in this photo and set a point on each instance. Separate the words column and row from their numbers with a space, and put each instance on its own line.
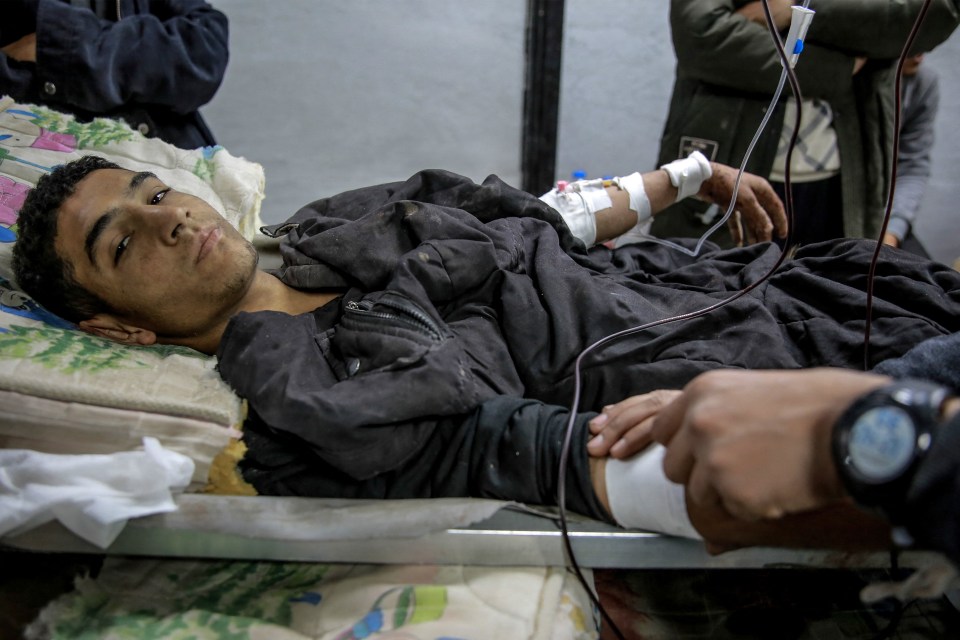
column 92, row 495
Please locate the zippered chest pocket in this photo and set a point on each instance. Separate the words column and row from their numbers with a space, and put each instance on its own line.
column 384, row 331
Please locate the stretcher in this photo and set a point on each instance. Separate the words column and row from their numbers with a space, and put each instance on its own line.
column 231, row 527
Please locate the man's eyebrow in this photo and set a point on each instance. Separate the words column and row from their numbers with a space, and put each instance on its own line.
column 137, row 180
column 97, row 229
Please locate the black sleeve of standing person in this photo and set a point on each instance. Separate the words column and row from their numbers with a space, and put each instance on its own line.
column 932, row 511
column 932, row 514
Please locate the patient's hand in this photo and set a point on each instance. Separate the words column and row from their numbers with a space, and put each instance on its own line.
column 24, row 49
column 623, row 429
column 760, row 208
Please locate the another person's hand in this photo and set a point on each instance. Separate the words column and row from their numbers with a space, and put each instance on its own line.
column 757, row 443
column 24, row 49
column 780, row 9
column 623, row 429
column 891, row 240
column 760, row 208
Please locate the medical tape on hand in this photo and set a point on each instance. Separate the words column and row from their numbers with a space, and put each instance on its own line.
column 578, row 205
column 688, row 174
column 641, row 496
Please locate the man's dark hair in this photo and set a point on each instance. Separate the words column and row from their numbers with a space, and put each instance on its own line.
column 39, row 270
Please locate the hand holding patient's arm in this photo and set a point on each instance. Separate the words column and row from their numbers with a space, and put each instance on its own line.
column 758, row 443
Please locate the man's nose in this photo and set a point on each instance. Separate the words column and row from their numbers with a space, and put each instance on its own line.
column 165, row 221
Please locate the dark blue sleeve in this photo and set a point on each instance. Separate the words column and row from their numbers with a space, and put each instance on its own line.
column 174, row 55
column 936, row 360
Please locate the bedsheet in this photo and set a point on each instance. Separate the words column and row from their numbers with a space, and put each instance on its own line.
column 289, row 601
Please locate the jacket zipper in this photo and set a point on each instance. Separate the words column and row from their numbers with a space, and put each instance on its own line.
column 279, row 230
column 406, row 315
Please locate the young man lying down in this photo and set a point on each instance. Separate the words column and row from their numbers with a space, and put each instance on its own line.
column 420, row 338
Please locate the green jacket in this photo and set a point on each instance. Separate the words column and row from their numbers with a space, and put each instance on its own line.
column 728, row 69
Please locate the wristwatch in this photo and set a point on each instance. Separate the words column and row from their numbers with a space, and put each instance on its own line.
column 880, row 440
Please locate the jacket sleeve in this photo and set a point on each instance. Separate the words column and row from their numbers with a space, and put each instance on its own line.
column 515, row 454
column 877, row 29
column 507, row 448
column 715, row 45
column 174, row 56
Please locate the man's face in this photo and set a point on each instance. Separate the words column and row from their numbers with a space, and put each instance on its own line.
column 163, row 259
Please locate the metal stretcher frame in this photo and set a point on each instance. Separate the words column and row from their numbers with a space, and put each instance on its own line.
column 508, row 538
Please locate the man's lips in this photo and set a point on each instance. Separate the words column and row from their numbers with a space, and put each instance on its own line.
column 208, row 240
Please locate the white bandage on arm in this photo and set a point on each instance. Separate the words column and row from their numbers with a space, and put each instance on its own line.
column 639, row 202
column 688, row 174
column 641, row 497
column 578, row 206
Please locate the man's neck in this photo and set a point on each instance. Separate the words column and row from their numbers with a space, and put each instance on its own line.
column 266, row 293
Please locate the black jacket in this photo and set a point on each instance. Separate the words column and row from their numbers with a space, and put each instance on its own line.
column 447, row 366
column 153, row 65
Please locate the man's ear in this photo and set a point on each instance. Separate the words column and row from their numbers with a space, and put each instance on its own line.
column 109, row 327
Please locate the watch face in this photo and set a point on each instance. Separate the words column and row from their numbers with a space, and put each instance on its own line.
column 882, row 443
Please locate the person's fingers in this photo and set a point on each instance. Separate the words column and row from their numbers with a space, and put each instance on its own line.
column 772, row 205
column 759, row 223
column 749, row 506
column 633, row 441
column 736, row 229
column 669, row 419
column 678, row 459
column 599, row 445
column 617, row 418
column 627, row 421
column 597, row 423
column 698, row 486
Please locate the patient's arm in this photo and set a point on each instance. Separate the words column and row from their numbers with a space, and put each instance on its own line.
column 760, row 210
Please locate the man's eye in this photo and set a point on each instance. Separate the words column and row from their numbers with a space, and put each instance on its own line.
column 120, row 249
column 159, row 196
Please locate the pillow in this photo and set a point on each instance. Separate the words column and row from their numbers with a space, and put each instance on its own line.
column 64, row 391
